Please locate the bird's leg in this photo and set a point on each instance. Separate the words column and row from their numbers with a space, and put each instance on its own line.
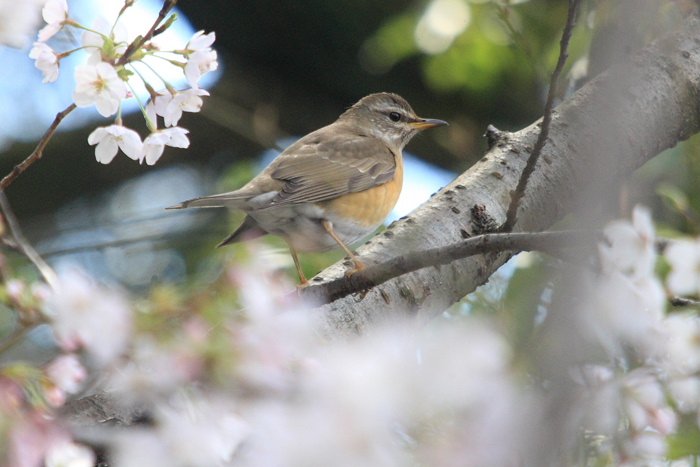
column 328, row 227
column 295, row 257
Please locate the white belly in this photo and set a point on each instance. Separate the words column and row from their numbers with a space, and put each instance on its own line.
column 301, row 226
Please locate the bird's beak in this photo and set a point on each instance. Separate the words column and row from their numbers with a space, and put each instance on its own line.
column 425, row 123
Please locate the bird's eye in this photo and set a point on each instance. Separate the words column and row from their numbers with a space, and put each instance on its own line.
column 395, row 116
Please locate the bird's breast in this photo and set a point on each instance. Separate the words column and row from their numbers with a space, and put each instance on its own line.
column 370, row 207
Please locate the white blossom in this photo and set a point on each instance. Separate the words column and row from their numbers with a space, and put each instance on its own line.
column 67, row 373
column 686, row 392
column 644, row 449
column 94, row 40
column 201, row 58
column 112, row 138
column 85, row 315
column 645, row 403
column 152, row 374
column 155, row 143
column 627, row 298
column 200, row 432
column 18, row 21
column 199, row 64
column 70, row 454
column 30, row 438
column 684, row 258
column 631, row 248
column 170, row 107
column 190, row 431
column 55, row 12
column 622, row 312
column 682, row 343
column 100, row 85
column 200, row 41
column 46, row 61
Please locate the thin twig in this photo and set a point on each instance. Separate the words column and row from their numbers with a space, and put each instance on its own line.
column 139, row 42
column 372, row 276
column 23, row 244
column 519, row 192
column 682, row 301
column 38, row 151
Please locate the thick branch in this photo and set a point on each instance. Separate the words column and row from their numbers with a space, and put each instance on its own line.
column 598, row 137
column 547, row 242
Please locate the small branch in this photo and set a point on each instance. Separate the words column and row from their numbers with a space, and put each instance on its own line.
column 23, row 244
column 140, row 41
column 682, row 301
column 519, row 192
column 38, row 151
column 372, row 276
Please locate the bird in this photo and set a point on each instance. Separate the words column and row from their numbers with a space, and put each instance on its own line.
column 331, row 188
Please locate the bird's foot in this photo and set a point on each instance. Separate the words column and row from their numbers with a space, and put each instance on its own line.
column 358, row 267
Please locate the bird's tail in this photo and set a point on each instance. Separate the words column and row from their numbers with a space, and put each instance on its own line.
column 224, row 200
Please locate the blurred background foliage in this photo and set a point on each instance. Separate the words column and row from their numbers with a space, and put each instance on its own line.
column 290, row 67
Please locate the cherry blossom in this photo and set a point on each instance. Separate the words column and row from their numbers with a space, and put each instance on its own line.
column 104, row 79
column 32, row 437
column 203, row 60
column 153, row 372
column 18, row 21
column 55, row 13
column 112, row 138
column 684, row 259
column 46, row 61
column 100, row 85
column 67, row 373
column 645, row 403
column 104, row 41
column 84, row 315
column 199, row 64
column 200, row 41
column 631, row 248
column 683, row 343
column 70, row 454
column 155, row 143
column 170, row 107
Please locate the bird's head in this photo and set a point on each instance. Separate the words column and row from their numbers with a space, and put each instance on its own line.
column 388, row 117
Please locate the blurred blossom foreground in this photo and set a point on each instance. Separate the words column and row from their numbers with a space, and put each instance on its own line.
column 233, row 370
column 610, row 379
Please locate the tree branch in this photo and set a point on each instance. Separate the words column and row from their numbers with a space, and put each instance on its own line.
column 38, row 151
column 372, row 276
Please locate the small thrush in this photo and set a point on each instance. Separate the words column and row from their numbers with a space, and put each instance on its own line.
column 334, row 186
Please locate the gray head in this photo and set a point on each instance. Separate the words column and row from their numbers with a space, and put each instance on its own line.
column 388, row 117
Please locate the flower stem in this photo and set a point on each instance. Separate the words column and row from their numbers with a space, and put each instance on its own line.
column 139, row 42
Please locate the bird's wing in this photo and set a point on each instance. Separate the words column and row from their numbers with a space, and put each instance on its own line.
column 327, row 168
